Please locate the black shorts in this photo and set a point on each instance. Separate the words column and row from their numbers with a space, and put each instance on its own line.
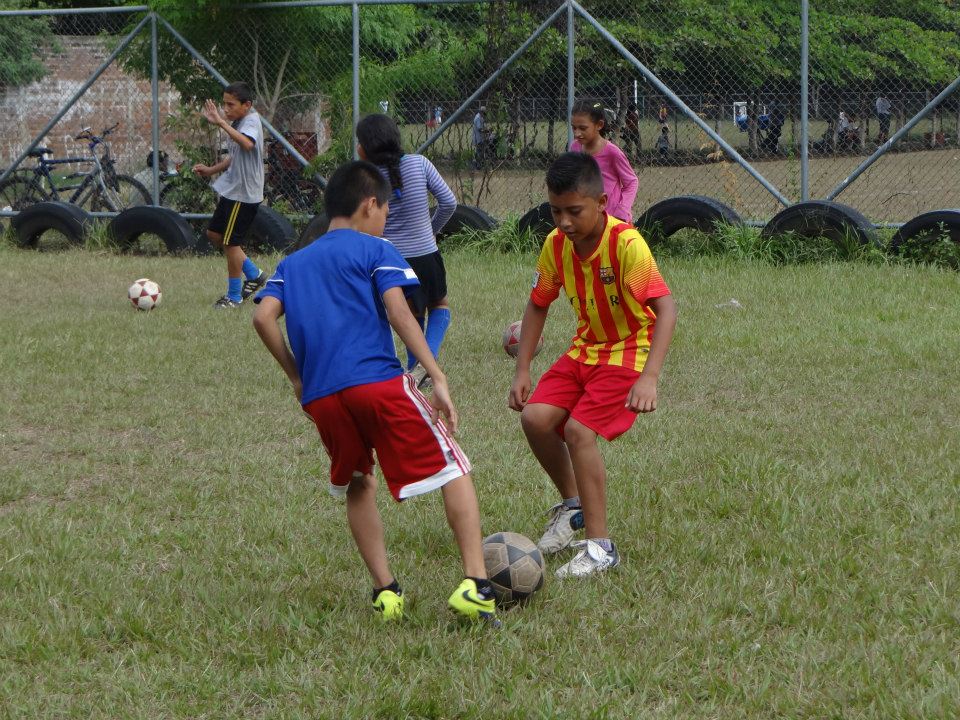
column 433, row 282
column 232, row 219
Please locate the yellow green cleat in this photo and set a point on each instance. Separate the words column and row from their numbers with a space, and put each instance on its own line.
column 466, row 601
column 389, row 604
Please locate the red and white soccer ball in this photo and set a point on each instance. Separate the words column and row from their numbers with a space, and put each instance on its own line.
column 144, row 294
column 511, row 340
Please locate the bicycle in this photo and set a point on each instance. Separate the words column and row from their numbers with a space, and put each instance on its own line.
column 100, row 189
column 284, row 183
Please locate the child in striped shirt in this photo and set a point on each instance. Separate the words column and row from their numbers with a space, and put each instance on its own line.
column 410, row 225
column 625, row 320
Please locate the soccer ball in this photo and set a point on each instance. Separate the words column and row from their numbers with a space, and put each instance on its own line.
column 514, row 566
column 511, row 340
column 144, row 294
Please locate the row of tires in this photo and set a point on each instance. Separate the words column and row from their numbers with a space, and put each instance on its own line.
column 272, row 232
column 811, row 219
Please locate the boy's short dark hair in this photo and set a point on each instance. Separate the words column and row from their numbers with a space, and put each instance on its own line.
column 351, row 184
column 575, row 172
column 241, row 91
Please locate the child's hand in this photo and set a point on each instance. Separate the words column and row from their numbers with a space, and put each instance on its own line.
column 202, row 170
column 519, row 391
column 443, row 405
column 211, row 113
column 642, row 397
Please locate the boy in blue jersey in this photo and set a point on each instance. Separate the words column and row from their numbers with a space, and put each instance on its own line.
column 341, row 295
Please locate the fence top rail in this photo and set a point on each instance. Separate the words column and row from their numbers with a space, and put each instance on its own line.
column 77, row 11
column 328, row 3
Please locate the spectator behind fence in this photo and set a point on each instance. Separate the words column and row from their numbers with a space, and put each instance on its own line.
column 883, row 106
column 630, row 136
column 663, row 140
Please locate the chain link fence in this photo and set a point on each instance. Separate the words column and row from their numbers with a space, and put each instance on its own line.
column 482, row 89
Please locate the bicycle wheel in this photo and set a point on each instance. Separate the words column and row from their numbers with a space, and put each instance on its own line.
column 18, row 192
column 122, row 192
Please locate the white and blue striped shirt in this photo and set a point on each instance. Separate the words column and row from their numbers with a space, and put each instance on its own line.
column 410, row 226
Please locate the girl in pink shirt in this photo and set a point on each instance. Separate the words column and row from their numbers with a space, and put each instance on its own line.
column 619, row 181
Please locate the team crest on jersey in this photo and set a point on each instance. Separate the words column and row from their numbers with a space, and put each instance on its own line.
column 606, row 275
column 536, row 278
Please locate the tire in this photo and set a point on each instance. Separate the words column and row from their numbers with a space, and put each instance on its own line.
column 270, row 232
column 926, row 227
column 17, row 193
column 66, row 219
column 467, row 217
column 314, row 229
column 821, row 218
column 698, row 212
column 176, row 233
column 538, row 221
column 124, row 192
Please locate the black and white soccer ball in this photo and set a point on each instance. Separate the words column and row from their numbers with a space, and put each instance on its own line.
column 514, row 565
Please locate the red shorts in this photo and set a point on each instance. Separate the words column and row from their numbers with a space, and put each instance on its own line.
column 393, row 418
column 595, row 395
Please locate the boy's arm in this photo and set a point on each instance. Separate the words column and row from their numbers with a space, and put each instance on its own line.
column 212, row 114
column 208, row 170
column 643, row 395
column 531, row 328
column 266, row 322
column 408, row 329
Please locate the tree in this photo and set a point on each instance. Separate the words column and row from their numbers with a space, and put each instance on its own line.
column 22, row 41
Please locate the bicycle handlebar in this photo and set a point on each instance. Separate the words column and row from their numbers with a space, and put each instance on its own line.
column 86, row 134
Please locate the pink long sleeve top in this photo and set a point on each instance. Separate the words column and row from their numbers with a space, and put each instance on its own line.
column 619, row 180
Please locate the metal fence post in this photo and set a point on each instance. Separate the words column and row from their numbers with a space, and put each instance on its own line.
column 804, row 100
column 155, row 109
column 356, row 76
column 571, row 47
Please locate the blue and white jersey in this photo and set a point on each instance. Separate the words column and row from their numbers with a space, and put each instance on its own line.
column 336, row 322
column 410, row 227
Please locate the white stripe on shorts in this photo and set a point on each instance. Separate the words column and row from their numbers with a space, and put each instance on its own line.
column 457, row 463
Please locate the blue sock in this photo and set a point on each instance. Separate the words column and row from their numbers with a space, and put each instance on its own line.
column 411, row 360
column 437, row 324
column 233, row 288
column 250, row 269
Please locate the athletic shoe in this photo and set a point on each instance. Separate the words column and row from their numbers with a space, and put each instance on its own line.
column 592, row 558
column 563, row 525
column 226, row 302
column 251, row 286
column 389, row 604
column 470, row 603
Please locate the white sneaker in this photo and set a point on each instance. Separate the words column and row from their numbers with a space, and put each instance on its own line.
column 563, row 525
column 592, row 558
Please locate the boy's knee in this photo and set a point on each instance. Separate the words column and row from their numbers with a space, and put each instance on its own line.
column 576, row 434
column 535, row 420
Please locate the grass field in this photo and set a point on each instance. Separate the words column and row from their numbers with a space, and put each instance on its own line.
column 788, row 518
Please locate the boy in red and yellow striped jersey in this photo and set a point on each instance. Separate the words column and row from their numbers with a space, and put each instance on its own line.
column 625, row 321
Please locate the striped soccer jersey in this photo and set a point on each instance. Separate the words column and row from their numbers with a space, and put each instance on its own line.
column 608, row 291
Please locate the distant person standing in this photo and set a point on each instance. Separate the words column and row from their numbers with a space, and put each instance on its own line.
column 481, row 137
column 663, row 141
column 631, row 131
column 883, row 105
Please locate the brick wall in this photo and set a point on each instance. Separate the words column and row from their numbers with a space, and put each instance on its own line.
column 114, row 97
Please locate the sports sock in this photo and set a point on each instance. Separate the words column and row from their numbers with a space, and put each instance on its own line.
column 411, row 360
column 234, row 284
column 483, row 587
column 572, row 503
column 605, row 543
column 250, row 269
column 437, row 323
column 393, row 587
